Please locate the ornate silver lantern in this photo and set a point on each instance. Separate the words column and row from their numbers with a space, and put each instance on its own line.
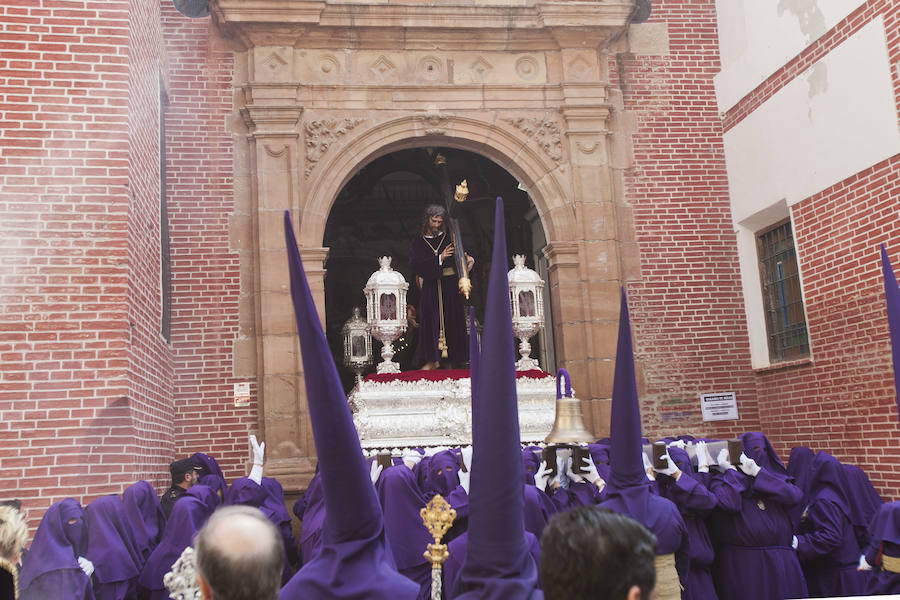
column 386, row 310
column 357, row 344
column 527, row 301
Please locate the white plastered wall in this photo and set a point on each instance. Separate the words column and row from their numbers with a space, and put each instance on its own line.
column 837, row 118
column 757, row 37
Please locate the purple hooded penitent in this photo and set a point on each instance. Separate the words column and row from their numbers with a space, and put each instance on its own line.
column 826, row 541
column 884, row 535
column 189, row 514
column 401, row 500
column 628, row 490
column 892, row 304
column 313, row 518
column 695, row 502
column 50, row 568
column 752, row 527
column 862, row 495
column 354, row 561
column 112, row 548
column 145, row 516
column 497, row 561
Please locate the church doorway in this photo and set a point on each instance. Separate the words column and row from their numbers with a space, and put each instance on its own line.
column 379, row 211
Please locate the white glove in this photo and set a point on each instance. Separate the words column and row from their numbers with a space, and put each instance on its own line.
column 863, row 564
column 591, row 476
column 648, row 467
column 541, row 476
column 435, row 450
column 411, row 458
column 464, row 479
column 259, row 451
column 749, row 466
column 571, row 474
column 375, row 471
column 794, row 542
column 703, row 457
column 671, row 468
column 723, row 462
column 678, row 444
column 466, row 454
column 86, row 565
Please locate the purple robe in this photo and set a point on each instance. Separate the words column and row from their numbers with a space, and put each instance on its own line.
column 799, row 463
column 50, row 569
column 538, row 509
column 189, row 514
column 424, row 263
column 401, row 500
column 354, row 561
column 884, row 540
column 497, row 562
column 269, row 498
column 629, row 492
column 457, row 552
column 145, row 516
column 826, row 542
column 112, row 548
column 752, row 528
column 696, row 503
column 863, row 497
column 313, row 519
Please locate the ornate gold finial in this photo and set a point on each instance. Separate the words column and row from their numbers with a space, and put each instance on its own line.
column 465, row 286
column 439, row 160
column 462, row 192
column 437, row 517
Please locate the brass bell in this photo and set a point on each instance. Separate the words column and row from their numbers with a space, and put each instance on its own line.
column 568, row 426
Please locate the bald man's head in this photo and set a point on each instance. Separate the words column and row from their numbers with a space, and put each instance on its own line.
column 239, row 556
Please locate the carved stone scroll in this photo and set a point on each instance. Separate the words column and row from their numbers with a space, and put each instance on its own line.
column 545, row 132
column 321, row 134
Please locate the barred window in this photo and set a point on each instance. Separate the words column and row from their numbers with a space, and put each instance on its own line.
column 782, row 299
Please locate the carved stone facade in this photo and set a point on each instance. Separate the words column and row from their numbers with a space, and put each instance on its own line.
column 326, row 87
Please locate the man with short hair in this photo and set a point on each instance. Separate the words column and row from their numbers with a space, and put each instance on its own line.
column 184, row 475
column 613, row 557
column 238, row 556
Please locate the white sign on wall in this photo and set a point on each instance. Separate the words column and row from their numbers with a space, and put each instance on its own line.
column 719, row 407
column 242, row 394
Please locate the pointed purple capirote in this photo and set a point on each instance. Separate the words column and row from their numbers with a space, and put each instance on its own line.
column 892, row 301
column 497, row 563
column 354, row 561
column 626, row 463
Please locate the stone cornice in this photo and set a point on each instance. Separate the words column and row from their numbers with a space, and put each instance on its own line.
column 290, row 22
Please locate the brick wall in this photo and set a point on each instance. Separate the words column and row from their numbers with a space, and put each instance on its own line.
column 843, row 401
column 205, row 270
column 687, row 309
column 76, row 269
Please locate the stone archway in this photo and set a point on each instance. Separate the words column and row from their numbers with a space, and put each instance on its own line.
column 316, row 106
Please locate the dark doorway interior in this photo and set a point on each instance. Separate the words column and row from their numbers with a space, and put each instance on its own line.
column 380, row 210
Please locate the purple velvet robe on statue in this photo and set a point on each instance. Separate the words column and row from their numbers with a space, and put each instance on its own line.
column 752, row 529
column 50, row 568
column 826, row 543
column 424, row 263
column 112, row 548
column 695, row 502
